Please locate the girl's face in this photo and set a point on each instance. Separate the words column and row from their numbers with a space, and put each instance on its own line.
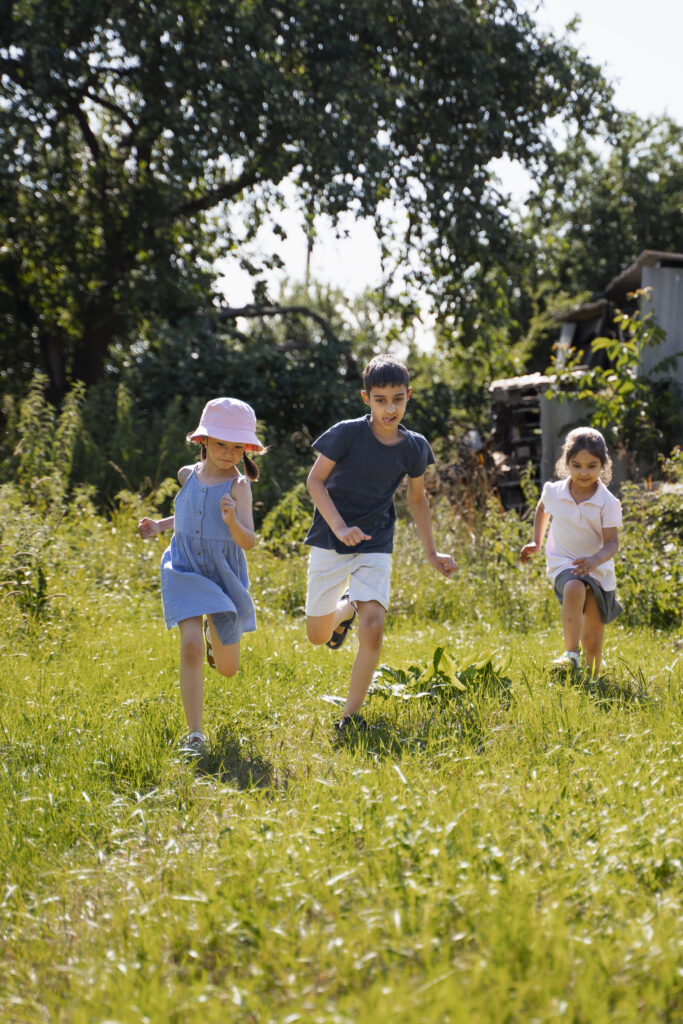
column 223, row 455
column 584, row 469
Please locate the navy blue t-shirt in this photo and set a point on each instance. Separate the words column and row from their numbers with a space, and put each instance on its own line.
column 364, row 480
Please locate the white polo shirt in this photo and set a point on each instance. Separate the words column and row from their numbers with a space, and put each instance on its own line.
column 576, row 529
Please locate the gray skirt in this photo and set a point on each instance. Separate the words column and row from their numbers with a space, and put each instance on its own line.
column 606, row 600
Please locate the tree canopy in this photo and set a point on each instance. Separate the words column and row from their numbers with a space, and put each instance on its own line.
column 130, row 128
column 602, row 201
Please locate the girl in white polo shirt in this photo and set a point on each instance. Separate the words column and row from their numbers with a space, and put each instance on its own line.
column 583, row 539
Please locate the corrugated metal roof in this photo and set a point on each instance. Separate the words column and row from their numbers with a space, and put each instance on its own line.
column 619, row 287
column 630, row 278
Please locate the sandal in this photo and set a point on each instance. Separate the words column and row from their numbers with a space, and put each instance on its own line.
column 341, row 632
column 209, row 649
column 351, row 723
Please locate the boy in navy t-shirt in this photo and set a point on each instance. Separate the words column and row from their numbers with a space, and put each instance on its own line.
column 360, row 465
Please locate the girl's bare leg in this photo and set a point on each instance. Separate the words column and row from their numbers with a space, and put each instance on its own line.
column 191, row 662
column 370, row 635
column 592, row 633
column 226, row 656
column 573, row 601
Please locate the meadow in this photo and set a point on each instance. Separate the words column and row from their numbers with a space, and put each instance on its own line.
column 500, row 846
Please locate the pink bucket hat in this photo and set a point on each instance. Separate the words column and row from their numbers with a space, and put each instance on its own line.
column 228, row 419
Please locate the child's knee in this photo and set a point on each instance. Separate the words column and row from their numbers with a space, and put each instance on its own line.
column 192, row 649
column 319, row 628
column 317, row 634
column 228, row 666
column 371, row 626
column 574, row 590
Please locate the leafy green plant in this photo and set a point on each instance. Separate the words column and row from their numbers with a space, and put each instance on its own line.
column 442, row 681
column 465, row 693
column 46, row 440
column 650, row 559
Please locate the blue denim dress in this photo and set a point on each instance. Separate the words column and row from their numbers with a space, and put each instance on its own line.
column 203, row 571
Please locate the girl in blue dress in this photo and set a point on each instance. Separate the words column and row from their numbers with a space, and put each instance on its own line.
column 204, row 569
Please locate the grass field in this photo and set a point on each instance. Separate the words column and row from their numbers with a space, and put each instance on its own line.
column 500, row 846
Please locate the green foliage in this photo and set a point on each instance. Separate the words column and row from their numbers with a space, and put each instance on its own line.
column 284, row 528
column 636, row 412
column 44, row 454
column 118, row 200
column 598, row 206
column 465, row 694
column 650, row 560
column 515, row 858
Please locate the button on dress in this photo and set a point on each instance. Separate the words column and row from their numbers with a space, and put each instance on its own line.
column 203, row 570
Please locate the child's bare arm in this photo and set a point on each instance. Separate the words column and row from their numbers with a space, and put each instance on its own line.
column 237, row 513
column 541, row 520
column 421, row 513
column 589, row 563
column 152, row 527
column 316, row 486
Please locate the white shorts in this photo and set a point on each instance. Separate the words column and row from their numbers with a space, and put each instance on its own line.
column 328, row 571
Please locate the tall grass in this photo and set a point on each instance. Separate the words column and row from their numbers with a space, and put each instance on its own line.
column 500, row 846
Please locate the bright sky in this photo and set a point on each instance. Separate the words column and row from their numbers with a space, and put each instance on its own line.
column 638, row 46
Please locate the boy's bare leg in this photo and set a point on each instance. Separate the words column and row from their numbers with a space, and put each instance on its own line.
column 573, row 601
column 321, row 627
column 592, row 633
column 370, row 635
column 191, row 662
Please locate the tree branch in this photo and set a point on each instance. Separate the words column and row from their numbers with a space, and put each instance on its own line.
column 215, row 196
column 89, row 136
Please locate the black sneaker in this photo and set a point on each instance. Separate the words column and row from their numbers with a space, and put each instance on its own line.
column 350, row 723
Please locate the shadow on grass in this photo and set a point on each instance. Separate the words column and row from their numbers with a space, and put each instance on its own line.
column 387, row 739
column 228, row 762
column 605, row 688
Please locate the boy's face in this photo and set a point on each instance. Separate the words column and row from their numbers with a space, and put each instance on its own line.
column 387, row 406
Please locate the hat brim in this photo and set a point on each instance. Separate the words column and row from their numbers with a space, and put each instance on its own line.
column 245, row 437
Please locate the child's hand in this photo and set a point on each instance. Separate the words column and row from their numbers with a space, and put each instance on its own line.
column 148, row 528
column 584, row 566
column 227, row 505
column 443, row 564
column 528, row 551
column 351, row 535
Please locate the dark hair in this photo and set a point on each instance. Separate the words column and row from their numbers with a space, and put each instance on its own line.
column 384, row 370
column 589, row 440
column 251, row 470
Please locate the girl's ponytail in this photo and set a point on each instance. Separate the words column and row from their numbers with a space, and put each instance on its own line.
column 250, row 468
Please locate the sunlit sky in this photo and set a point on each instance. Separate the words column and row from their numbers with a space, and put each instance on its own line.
column 636, row 43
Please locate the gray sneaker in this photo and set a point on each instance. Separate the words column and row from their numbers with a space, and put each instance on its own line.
column 193, row 745
column 566, row 662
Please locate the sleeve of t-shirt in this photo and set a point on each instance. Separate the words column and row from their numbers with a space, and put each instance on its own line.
column 611, row 513
column 547, row 497
column 421, row 457
column 334, row 443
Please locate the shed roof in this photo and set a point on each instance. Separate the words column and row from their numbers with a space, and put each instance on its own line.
column 619, row 287
column 630, row 278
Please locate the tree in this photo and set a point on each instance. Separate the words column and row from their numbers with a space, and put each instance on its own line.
column 602, row 202
column 130, row 129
